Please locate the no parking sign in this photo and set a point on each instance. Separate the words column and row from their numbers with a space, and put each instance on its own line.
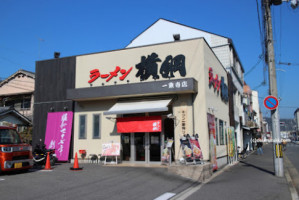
column 271, row 102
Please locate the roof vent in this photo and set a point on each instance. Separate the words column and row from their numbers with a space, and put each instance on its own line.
column 56, row 54
column 176, row 37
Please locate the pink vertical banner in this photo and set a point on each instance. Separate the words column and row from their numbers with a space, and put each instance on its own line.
column 58, row 133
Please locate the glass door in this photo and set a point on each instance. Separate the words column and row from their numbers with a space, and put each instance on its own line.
column 126, row 145
column 140, row 145
column 155, row 147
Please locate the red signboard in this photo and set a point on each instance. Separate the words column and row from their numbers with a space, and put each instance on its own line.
column 139, row 124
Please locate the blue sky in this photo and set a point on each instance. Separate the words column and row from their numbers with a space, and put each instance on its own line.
column 33, row 30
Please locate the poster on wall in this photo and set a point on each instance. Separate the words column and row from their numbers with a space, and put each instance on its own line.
column 58, row 133
column 231, row 142
column 212, row 134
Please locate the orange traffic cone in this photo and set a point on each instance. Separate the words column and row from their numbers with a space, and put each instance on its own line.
column 76, row 164
column 48, row 164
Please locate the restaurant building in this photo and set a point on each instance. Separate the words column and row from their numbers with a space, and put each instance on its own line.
column 141, row 96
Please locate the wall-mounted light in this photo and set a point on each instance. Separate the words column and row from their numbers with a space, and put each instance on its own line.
column 111, row 118
column 171, row 116
column 52, row 109
column 211, row 109
column 65, row 108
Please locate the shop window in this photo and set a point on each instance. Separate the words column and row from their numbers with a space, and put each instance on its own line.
column 96, row 126
column 221, row 132
column 217, row 133
column 82, row 127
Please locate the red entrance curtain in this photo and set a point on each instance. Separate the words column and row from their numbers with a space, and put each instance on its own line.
column 139, row 124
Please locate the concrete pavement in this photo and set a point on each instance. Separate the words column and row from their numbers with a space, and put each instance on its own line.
column 252, row 178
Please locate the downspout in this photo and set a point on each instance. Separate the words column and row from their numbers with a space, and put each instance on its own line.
column 193, row 115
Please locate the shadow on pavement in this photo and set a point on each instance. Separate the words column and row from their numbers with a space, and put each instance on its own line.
column 256, row 167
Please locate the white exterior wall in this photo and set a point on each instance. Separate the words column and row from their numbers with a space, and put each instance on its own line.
column 217, row 40
column 256, row 106
column 222, row 54
column 154, row 35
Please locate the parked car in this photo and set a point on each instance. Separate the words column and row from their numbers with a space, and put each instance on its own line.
column 14, row 154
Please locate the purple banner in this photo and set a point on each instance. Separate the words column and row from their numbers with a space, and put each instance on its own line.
column 58, row 133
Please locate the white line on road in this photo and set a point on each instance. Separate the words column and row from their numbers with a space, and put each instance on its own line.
column 291, row 186
column 1, row 179
column 165, row 196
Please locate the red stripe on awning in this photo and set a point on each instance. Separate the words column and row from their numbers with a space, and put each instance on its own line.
column 139, row 124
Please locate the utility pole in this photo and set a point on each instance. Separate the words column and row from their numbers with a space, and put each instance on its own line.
column 277, row 146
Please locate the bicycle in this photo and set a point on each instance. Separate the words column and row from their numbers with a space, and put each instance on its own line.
column 243, row 154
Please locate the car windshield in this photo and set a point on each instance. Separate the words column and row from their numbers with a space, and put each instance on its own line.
column 9, row 136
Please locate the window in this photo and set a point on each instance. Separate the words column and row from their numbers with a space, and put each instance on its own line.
column 217, row 133
column 96, row 126
column 221, row 132
column 82, row 127
column 26, row 103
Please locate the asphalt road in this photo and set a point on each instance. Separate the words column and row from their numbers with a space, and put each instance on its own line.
column 291, row 163
column 250, row 179
column 93, row 182
column 292, row 152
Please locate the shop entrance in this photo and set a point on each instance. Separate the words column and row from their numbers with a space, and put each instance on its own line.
column 141, row 147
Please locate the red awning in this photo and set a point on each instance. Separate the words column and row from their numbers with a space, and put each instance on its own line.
column 139, row 124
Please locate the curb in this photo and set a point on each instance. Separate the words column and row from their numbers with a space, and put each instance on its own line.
column 291, row 186
column 289, row 169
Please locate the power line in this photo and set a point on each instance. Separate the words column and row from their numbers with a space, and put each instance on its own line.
column 288, row 63
column 260, row 28
column 258, row 62
column 6, row 59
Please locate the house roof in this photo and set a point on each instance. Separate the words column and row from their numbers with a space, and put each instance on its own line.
column 7, row 110
column 20, row 71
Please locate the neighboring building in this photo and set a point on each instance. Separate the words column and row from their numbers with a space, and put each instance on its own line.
column 163, row 31
column 11, row 115
column 296, row 117
column 179, row 85
column 252, row 117
column 17, row 91
column 257, row 114
column 266, row 132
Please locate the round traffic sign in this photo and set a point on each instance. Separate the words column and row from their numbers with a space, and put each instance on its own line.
column 271, row 102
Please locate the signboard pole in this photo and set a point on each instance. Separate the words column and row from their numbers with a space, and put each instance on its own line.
column 278, row 160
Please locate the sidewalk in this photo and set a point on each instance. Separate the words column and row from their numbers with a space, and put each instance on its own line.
column 252, row 178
